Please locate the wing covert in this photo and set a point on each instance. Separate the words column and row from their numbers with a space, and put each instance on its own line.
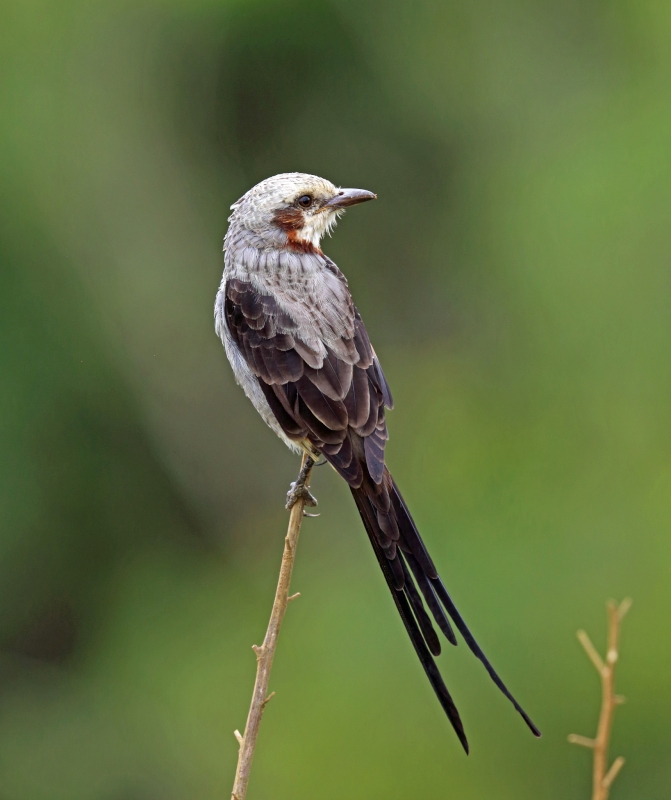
column 326, row 397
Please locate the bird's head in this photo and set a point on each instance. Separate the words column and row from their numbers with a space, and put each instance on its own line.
column 294, row 209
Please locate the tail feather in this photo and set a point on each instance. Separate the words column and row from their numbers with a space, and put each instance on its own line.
column 477, row 650
column 408, row 529
column 428, row 632
column 431, row 598
column 435, row 678
column 399, row 565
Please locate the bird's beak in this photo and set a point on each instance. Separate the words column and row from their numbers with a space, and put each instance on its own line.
column 349, row 197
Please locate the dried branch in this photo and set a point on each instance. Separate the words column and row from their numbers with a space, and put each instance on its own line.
column 603, row 777
column 266, row 652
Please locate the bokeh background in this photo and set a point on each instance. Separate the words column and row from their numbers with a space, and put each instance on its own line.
column 515, row 278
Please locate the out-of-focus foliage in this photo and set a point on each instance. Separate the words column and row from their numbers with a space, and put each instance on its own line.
column 515, row 277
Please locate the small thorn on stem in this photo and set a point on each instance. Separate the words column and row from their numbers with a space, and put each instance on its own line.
column 589, row 648
column 239, row 737
column 615, row 767
column 624, row 606
column 584, row 741
column 268, row 699
column 293, row 597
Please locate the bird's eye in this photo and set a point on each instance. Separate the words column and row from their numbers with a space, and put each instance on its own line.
column 305, row 201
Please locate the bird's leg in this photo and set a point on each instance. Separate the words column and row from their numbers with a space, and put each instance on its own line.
column 298, row 489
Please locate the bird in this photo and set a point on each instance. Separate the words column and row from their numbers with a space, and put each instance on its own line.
column 301, row 353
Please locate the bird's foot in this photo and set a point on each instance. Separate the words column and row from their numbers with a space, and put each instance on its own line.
column 299, row 491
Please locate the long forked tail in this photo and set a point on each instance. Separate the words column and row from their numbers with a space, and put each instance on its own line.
column 403, row 557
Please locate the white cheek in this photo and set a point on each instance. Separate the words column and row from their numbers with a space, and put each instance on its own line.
column 316, row 226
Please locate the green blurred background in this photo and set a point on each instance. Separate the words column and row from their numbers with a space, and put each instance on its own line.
column 515, row 278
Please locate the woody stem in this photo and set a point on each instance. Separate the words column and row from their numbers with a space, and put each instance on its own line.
column 266, row 652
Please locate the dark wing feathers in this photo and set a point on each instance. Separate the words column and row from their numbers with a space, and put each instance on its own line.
column 331, row 413
column 310, row 356
column 333, row 379
column 374, row 445
column 382, row 384
column 325, row 397
column 273, row 361
column 279, row 406
column 374, row 402
column 318, row 432
column 336, row 400
column 289, row 363
column 362, row 342
column 357, row 401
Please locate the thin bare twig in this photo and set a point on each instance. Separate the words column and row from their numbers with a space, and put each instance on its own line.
column 603, row 777
column 266, row 652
